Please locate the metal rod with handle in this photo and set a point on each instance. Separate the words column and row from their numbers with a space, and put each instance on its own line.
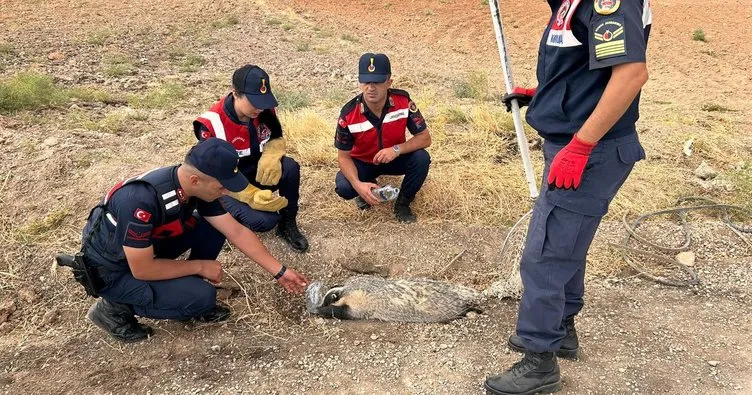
column 516, row 116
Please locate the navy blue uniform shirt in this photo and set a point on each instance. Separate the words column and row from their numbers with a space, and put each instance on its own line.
column 135, row 209
column 582, row 41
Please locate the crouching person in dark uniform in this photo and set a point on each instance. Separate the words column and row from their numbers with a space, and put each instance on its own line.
column 133, row 237
column 371, row 140
column 591, row 68
column 247, row 118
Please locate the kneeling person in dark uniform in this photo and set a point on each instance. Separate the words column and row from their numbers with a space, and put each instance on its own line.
column 371, row 140
column 132, row 238
column 247, row 118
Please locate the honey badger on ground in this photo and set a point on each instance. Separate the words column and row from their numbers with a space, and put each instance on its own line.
column 373, row 297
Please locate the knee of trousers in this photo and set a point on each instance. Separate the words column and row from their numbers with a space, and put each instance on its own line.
column 343, row 188
column 420, row 159
column 290, row 169
column 203, row 298
column 259, row 221
column 264, row 222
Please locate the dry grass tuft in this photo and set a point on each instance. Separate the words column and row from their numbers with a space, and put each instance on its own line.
column 38, row 228
column 310, row 137
column 476, row 175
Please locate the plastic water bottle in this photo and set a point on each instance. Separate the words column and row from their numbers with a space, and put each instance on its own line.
column 385, row 193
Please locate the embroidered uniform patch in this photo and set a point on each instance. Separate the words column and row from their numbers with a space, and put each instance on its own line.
column 609, row 39
column 606, row 7
column 413, row 106
column 137, row 235
column 560, row 33
column 142, row 214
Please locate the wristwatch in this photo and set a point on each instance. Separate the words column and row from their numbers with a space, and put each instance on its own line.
column 281, row 273
column 396, row 148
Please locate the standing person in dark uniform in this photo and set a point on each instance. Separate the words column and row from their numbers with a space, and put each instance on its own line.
column 371, row 140
column 133, row 237
column 247, row 118
column 591, row 68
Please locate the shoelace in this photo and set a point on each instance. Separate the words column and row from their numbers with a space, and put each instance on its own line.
column 522, row 366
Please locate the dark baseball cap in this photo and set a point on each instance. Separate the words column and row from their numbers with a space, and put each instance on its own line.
column 253, row 82
column 374, row 67
column 217, row 158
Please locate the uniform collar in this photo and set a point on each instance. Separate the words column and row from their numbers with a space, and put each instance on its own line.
column 387, row 105
column 229, row 108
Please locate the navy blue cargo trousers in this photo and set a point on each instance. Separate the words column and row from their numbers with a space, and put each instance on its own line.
column 179, row 299
column 562, row 226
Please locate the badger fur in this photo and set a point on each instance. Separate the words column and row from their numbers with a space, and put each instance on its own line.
column 377, row 298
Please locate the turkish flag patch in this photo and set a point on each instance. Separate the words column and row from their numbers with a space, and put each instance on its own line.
column 205, row 134
column 142, row 215
column 342, row 123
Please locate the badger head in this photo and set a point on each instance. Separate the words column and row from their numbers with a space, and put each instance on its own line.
column 337, row 302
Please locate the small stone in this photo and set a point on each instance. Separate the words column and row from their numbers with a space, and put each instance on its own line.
column 215, row 348
column 223, row 293
column 56, row 56
column 50, row 317
column 622, row 370
column 6, row 309
column 686, row 258
column 688, row 147
column 713, row 363
column 28, row 296
column 374, row 336
column 50, row 141
column 705, row 172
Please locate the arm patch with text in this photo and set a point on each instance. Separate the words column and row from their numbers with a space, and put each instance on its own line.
column 609, row 38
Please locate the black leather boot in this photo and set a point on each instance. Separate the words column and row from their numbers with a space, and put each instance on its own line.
column 570, row 345
column 534, row 374
column 361, row 203
column 218, row 314
column 118, row 320
column 402, row 209
column 287, row 228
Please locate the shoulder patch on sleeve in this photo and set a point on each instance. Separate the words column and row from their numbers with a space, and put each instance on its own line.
column 136, row 233
column 606, row 7
column 609, row 38
column 413, row 107
column 142, row 215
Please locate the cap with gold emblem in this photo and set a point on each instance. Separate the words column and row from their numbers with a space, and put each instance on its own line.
column 374, row 67
column 253, row 82
column 217, row 158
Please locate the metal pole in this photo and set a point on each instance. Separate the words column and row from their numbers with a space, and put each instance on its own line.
column 532, row 183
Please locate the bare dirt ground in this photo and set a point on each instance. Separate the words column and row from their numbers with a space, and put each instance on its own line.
column 638, row 337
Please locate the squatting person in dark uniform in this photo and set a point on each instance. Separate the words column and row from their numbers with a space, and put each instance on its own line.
column 133, row 237
column 247, row 118
column 371, row 140
column 591, row 68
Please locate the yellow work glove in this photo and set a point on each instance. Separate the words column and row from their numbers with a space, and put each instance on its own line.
column 270, row 164
column 258, row 199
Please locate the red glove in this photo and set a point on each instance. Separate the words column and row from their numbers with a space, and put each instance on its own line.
column 569, row 164
column 523, row 96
